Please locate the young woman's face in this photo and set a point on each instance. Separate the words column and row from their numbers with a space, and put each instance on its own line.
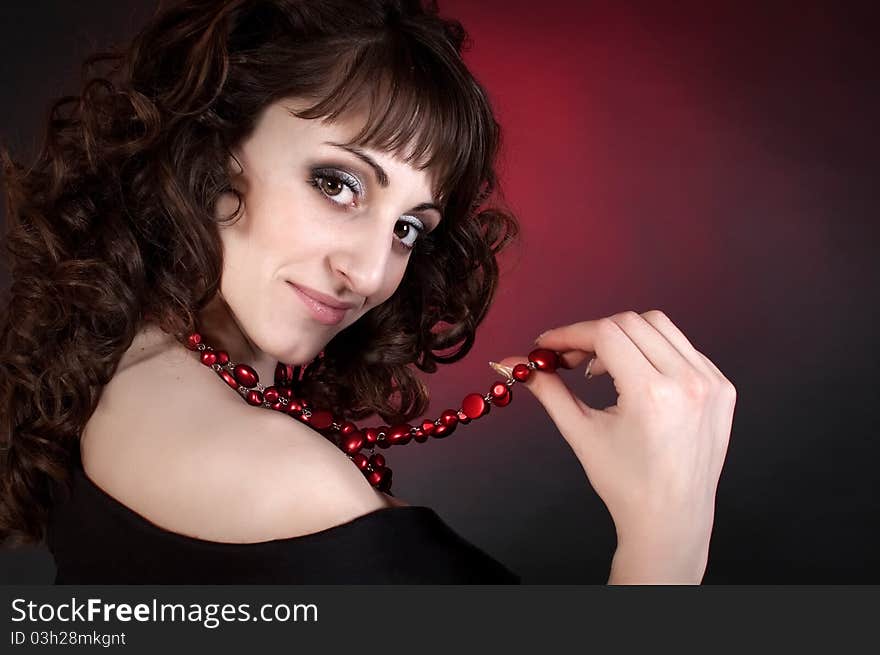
column 319, row 217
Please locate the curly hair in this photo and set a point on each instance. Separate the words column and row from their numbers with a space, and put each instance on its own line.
column 114, row 225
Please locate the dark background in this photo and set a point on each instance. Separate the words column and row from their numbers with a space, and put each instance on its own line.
column 715, row 161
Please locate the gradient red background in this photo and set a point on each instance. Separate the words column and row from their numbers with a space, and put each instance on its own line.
column 715, row 161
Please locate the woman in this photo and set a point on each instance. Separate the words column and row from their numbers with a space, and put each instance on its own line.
column 301, row 182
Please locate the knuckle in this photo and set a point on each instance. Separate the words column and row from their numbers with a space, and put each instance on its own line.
column 629, row 316
column 662, row 392
column 655, row 315
column 606, row 326
column 729, row 390
column 696, row 386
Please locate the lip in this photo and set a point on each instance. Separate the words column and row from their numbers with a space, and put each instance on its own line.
column 320, row 305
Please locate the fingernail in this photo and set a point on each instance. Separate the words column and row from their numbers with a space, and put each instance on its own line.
column 506, row 371
column 587, row 374
column 538, row 338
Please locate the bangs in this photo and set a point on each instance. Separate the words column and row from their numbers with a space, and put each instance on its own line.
column 421, row 105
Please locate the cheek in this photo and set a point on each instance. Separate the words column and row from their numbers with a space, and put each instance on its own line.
column 393, row 278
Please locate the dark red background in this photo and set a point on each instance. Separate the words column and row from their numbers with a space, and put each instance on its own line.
column 715, row 161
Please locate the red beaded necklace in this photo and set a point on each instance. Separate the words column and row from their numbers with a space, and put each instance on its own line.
column 345, row 434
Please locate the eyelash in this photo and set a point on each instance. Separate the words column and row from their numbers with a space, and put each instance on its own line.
column 354, row 186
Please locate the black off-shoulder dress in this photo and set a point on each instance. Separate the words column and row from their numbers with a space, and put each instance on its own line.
column 95, row 539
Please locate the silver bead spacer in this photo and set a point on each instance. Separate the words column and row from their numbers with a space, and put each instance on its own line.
column 201, row 346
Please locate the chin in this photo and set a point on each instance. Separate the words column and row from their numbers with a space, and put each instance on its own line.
column 296, row 352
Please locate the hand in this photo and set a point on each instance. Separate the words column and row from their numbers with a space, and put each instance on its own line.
column 656, row 456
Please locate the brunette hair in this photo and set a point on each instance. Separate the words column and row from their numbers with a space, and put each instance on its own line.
column 113, row 225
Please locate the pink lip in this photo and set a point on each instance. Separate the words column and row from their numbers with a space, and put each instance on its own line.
column 319, row 307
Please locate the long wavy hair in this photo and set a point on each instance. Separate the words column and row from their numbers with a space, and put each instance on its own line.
column 114, row 225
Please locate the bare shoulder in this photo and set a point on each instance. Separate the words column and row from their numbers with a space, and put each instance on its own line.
column 186, row 453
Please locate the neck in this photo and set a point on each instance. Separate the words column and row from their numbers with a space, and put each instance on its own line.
column 221, row 330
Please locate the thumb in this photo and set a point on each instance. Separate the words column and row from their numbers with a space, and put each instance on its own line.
column 564, row 408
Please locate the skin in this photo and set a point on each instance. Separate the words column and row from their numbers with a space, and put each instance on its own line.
column 174, row 466
column 655, row 457
column 209, row 466
column 325, row 238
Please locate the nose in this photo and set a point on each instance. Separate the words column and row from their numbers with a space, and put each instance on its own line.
column 361, row 258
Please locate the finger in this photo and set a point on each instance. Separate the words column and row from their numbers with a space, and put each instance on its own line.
column 656, row 348
column 664, row 325
column 573, row 358
column 710, row 364
column 620, row 355
column 564, row 408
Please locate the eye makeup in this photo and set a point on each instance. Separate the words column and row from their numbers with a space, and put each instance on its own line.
column 343, row 183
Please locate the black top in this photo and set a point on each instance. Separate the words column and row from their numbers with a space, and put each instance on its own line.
column 95, row 539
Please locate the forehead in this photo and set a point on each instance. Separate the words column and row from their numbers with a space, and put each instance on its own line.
column 344, row 130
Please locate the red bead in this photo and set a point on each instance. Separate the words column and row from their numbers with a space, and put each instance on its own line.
column 222, row 357
column 353, row 442
column 246, row 376
column 442, row 430
column 399, row 434
column 193, row 341
column 347, row 428
column 254, row 397
column 545, row 359
column 287, row 392
column 377, row 460
column 278, row 406
column 283, row 374
column 227, row 377
column 360, row 460
column 271, row 395
column 502, row 400
column 294, row 406
column 449, row 418
column 375, row 477
column 428, row 427
column 463, row 418
column 498, row 389
column 474, row 406
column 208, row 357
column 380, row 478
column 321, row 420
column 371, row 436
column 500, row 394
column 385, row 481
column 383, row 443
column 521, row 372
column 420, row 436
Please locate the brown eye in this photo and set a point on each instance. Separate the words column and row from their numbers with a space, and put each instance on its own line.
column 412, row 231
column 331, row 187
column 336, row 185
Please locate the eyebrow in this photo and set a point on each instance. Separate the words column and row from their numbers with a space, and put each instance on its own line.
column 381, row 175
